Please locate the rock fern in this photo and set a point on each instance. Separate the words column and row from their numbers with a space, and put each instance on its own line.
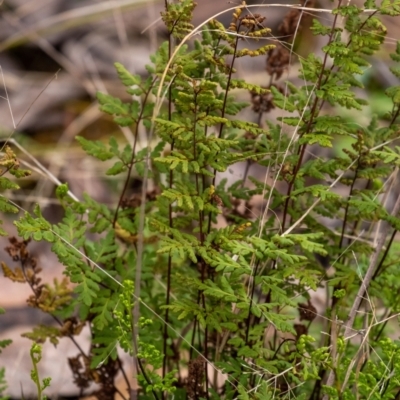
column 227, row 271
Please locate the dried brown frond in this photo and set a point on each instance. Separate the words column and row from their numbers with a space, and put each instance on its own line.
column 300, row 330
column 135, row 200
column 195, row 380
column 106, row 375
column 45, row 297
column 264, row 102
column 289, row 24
column 307, row 311
column 278, row 58
column 72, row 326
column 278, row 61
column 81, row 373
column 132, row 202
column 217, row 200
column 29, row 268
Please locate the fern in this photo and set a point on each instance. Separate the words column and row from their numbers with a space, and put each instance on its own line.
column 224, row 281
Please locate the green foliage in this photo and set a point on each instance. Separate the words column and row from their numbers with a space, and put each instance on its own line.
column 196, row 273
column 41, row 333
column 9, row 164
column 3, row 343
column 36, row 356
column 3, row 384
column 152, row 359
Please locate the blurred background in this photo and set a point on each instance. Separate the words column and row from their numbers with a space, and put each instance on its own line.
column 54, row 56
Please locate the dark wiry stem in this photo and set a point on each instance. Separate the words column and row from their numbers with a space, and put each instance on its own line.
column 131, row 162
column 309, row 125
column 170, row 219
column 221, row 128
